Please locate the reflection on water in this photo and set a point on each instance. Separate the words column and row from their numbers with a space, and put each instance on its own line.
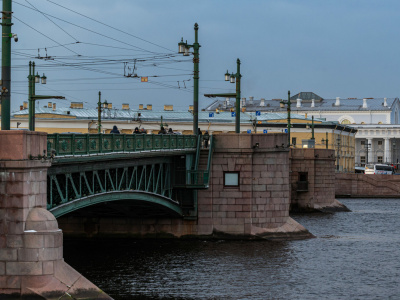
column 355, row 256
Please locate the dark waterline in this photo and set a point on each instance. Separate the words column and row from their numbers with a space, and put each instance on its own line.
column 355, row 256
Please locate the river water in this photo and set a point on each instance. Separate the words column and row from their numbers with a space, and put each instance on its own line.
column 355, row 255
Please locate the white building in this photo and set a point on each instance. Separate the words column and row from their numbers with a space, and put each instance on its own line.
column 376, row 119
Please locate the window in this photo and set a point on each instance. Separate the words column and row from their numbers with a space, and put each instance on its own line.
column 380, row 159
column 379, row 143
column 362, row 142
column 231, row 179
column 294, row 140
column 303, row 176
column 362, row 159
column 380, row 123
column 345, row 121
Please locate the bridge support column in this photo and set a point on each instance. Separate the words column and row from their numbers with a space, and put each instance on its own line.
column 249, row 193
column 31, row 245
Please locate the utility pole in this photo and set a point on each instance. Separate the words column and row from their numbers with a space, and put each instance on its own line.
column 184, row 48
column 32, row 80
column 6, row 64
column 99, row 114
column 196, row 77
column 238, row 76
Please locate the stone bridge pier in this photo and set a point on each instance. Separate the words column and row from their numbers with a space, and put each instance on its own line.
column 31, row 244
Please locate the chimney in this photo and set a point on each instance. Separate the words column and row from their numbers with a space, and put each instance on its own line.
column 262, row 102
column 298, row 102
column 190, row 108
column 21, row 107
column 313, row 103
column 251, row 100
column 244, row 101
column 25, row 104
column 385, row 102
column 168, row 107
column 337, row 103
column 54, row 106
column 225, row 105
column 109, row 106
column 76, row 105
column 365, row 105
column 125, row 106
column 149, row 107
column 140, row 106
column 49, row 105
column 305, row 115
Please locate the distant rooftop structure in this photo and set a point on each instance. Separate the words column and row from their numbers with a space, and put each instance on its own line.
column 306, row 97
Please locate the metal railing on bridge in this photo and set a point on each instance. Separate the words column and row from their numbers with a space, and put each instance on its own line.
column 86, row 144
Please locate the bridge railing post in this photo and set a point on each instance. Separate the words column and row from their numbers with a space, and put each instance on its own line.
column 87, row 143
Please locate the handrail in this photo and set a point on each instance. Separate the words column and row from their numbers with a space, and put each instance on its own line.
column 197, row 159
column 210, row 151
column 86, row 144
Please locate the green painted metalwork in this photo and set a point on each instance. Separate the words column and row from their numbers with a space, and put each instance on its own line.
column 67, row 187
column 173, row 206
column 6, row 64
column 86, row 144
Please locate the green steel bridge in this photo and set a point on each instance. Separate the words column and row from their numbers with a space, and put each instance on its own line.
column 135, row 175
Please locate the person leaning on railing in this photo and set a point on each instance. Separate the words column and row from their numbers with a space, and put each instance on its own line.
column 206, row 138
column 115, row 130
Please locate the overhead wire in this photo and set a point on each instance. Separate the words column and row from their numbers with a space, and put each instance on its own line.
column 109, row 26
column 76, row 40
column 44, row 35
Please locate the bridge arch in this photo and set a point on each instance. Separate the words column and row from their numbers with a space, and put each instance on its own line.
column 168, row 204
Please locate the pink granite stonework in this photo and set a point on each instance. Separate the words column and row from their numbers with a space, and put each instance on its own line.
column 317, row 166
column 259, row 206
column 31, row 244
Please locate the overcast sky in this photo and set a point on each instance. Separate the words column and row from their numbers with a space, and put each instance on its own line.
column 332, row 48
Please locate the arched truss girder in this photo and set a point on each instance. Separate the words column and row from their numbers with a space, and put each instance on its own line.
column 138, row 196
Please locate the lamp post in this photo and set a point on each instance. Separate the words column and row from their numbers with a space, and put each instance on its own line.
column 100, row 107
column 6, row 64
column 338, row 153
column 288, row 104
column 367, row 147
column 325, row 141
column 184, row 48
column 32, row 80
column 232, row 78
column 394, row 153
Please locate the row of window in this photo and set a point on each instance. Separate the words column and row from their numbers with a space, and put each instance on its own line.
column 380, row 143
column 363, row 160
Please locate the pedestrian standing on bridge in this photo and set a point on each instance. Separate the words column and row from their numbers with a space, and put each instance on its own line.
column 115, row 130
column 136, row 131
column 206, row 138
column 162, row 130
column 170, row 131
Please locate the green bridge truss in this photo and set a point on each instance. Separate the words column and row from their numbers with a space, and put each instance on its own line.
column 88, row 169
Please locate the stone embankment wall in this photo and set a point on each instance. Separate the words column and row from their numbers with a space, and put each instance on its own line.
column 31, row 245
column 361, row 185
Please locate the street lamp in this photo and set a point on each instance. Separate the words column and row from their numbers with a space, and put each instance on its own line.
column 32, row 80
column 100, row 107
column 325, row 141
column 184, row 49
column 367, row 147
column 338, row 153
column 288, row 104
column 232, row 78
